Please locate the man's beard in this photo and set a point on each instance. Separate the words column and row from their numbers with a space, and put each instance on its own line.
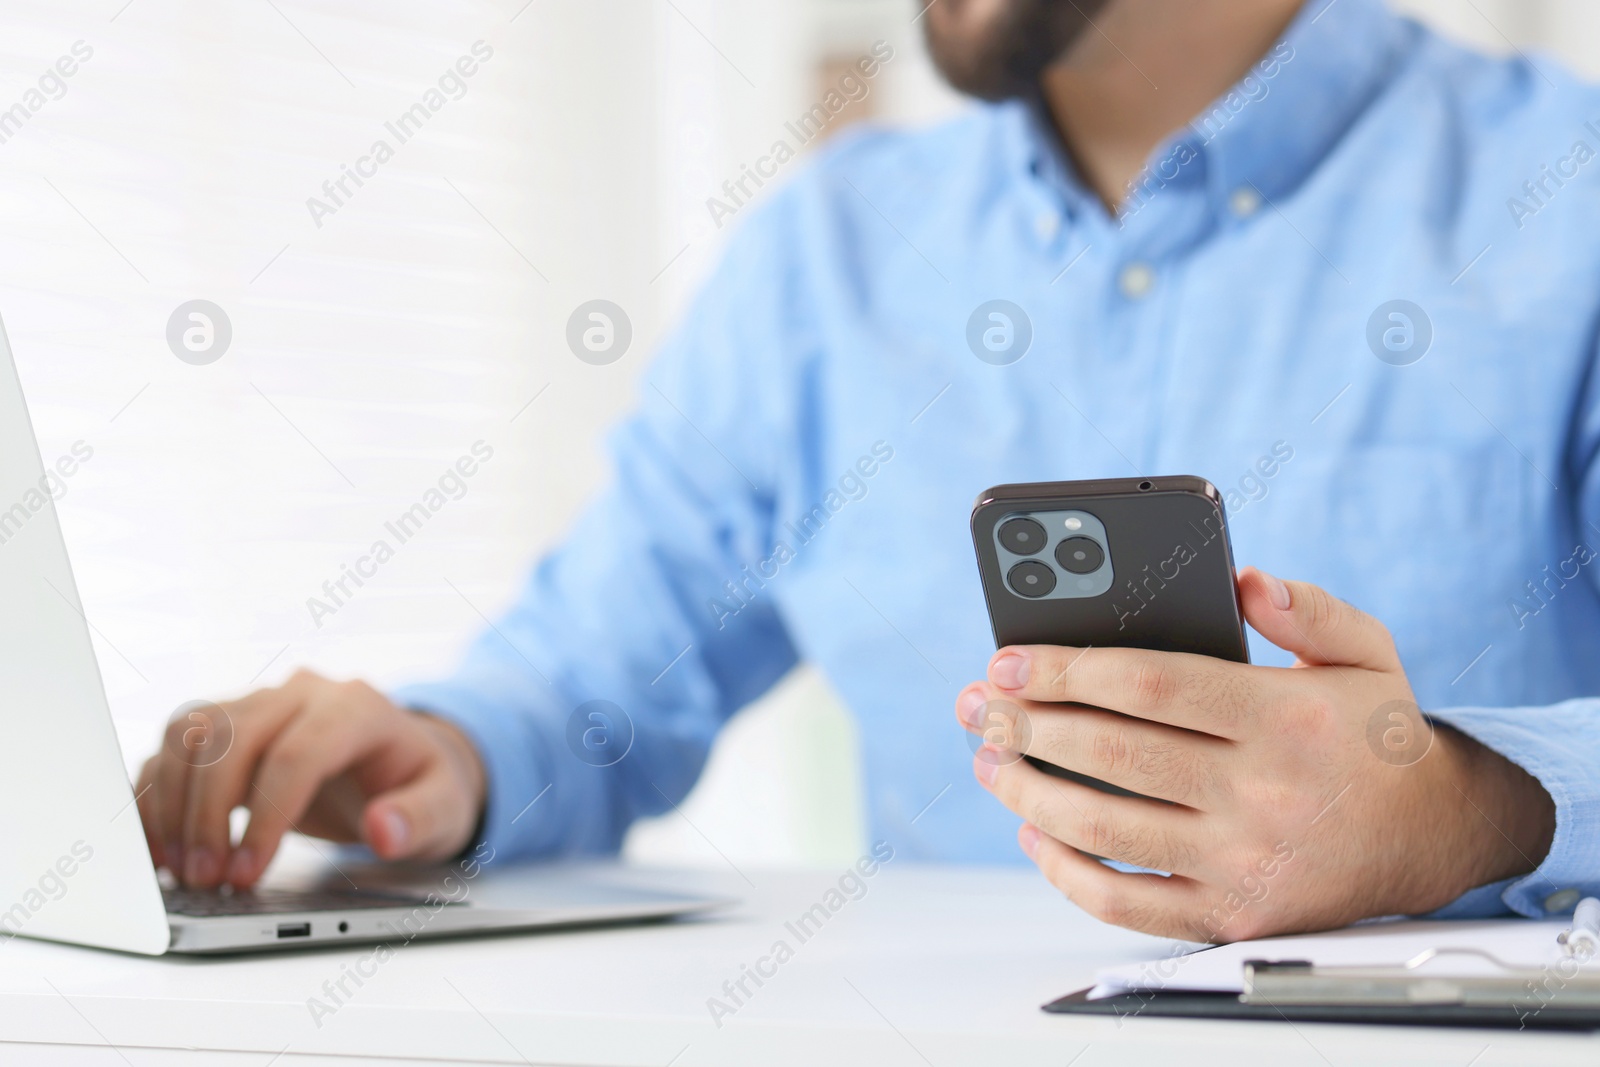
column 1005, row 55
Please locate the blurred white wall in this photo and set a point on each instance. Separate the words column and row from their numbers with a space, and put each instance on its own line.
column 372, row 351
column 1564, row 30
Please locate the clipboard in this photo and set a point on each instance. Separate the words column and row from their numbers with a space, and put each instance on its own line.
column 1482, row 990
column 1172, row 1004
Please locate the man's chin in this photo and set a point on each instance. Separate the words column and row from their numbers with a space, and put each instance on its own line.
column 997, row 49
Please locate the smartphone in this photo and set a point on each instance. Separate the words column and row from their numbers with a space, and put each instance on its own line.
column 1127, row 562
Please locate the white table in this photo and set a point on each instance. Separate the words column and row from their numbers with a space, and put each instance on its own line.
column 936, row 966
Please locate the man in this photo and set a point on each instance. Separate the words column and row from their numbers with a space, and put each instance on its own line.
column 1339, row 267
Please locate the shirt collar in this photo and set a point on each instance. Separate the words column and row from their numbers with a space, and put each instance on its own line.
column 1035, row 148
column 1283, row 118
column 1269, row 131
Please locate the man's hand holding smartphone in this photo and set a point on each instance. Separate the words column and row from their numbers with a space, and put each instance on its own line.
column 1285, row 799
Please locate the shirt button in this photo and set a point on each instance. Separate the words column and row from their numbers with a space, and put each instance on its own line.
column 1136, row 280
column 1245, row 201
column 1046, row 224
column 1562, row 900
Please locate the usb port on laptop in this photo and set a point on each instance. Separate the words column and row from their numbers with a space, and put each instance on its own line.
column 294, row 929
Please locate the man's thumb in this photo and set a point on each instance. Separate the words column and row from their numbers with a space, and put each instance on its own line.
column 419, row 820
column 1319, row 628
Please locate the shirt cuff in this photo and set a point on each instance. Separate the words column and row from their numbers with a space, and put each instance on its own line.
column 1559, row 746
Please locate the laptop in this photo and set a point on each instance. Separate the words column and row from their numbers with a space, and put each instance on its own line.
column 74, row 866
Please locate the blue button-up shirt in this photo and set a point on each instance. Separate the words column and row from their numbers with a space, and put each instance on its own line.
column 1358, row 294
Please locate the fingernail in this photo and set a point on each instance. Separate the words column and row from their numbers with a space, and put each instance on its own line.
column 970, row 707
column 199, row 868
column 987, row 765
column 1028, row 838
column 1277, row 592
column 241, row 867
column 1010, row 671
column 396, row 829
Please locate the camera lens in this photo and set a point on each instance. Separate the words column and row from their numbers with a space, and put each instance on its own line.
column 1024, row 537
column 1032, row 579
column 1080, row 555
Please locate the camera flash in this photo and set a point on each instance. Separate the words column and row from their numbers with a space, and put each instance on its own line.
column 1074, row 523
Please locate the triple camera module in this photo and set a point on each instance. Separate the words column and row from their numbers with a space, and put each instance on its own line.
column 1053, row 555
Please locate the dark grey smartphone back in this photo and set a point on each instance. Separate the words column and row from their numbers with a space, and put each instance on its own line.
column 1125, row 562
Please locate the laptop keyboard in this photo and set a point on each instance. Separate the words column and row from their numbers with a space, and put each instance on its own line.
column 210, row 902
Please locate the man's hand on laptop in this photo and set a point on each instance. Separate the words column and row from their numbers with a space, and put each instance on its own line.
column 1301, row 798
column 335, row 760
